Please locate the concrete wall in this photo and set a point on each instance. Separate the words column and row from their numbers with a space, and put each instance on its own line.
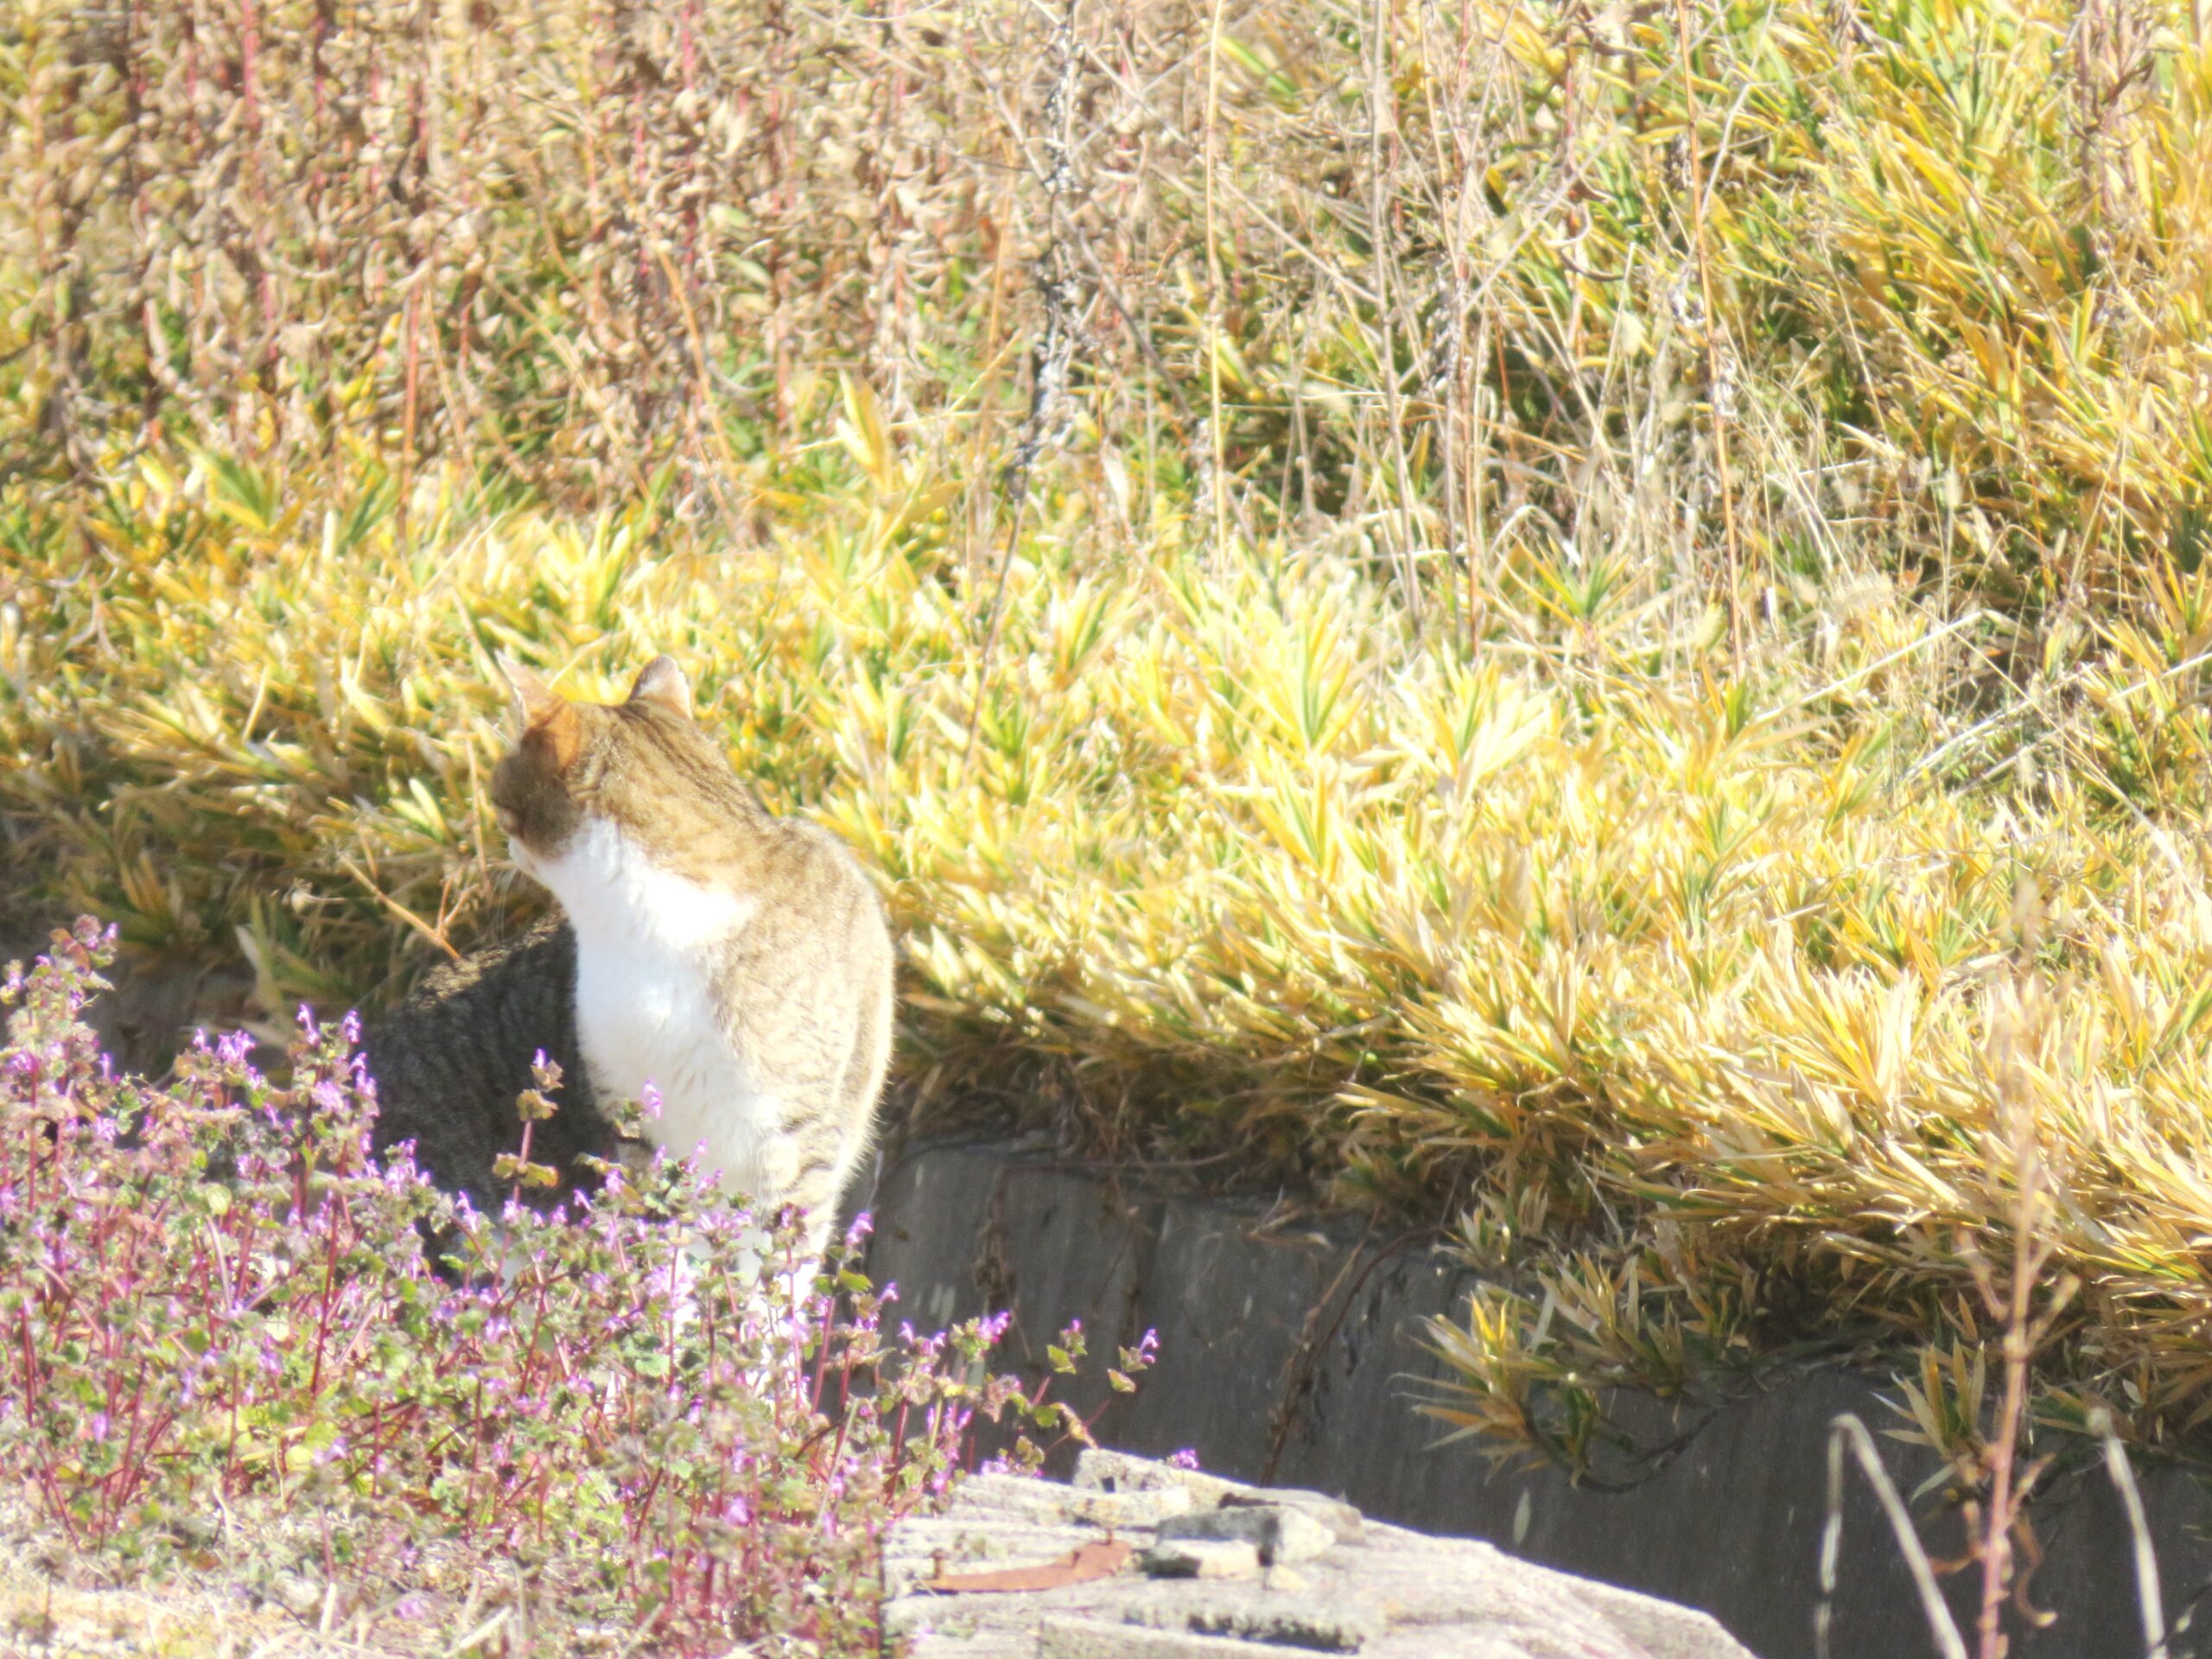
column 1288, row 1356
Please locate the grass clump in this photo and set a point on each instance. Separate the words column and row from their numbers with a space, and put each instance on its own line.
column 232, row 1362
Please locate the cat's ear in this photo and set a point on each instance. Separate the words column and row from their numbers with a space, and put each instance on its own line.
column 533, row 701
column 539, row 708
column 662, row 682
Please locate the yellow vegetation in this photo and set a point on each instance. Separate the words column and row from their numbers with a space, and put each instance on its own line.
column 1696, row 886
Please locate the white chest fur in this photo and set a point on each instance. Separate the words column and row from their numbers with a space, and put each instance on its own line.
column 646, row 1010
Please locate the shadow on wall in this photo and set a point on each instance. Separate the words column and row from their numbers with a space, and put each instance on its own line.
column 1288, row 1358
column 156, row 1003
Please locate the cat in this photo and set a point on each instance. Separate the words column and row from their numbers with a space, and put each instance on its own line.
column 738, row 962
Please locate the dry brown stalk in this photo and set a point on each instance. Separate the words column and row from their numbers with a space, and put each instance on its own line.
column 1218, row 484
column 1709, row 328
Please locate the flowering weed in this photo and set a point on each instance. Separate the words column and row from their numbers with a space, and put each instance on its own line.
column 225, row 1351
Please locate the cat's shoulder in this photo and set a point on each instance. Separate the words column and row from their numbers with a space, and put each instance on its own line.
column 817, row 863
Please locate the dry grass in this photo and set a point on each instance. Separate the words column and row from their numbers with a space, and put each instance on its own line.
column 1281, row 630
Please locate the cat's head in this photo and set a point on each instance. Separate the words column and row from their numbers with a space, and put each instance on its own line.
column 635, row 765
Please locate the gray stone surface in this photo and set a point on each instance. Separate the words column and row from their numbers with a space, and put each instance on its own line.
column 1099, row 1469
column 1282, row 1533
column 1381, row 1592
column 1202, row 1558
column 1286, row 1615
column 1288, row 1353
column 1097, row 1638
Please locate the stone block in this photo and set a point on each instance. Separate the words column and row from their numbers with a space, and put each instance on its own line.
column 1387, row 1593
column 1281, row 1535
column 1339, row 1622
column 1049, row 1503
column 1202, row 1558
column 1339, row 1517
column 1100, row 1470
column 1094, row 1638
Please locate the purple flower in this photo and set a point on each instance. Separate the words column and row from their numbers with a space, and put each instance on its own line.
column 1187, row 1458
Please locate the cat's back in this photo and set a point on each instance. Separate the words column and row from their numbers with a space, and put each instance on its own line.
column 817, row 882
column 820, row 968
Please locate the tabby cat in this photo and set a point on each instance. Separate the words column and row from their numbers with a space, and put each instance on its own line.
column 736, row 962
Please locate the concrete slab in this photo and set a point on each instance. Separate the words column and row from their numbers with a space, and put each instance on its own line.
column 1380, row 1591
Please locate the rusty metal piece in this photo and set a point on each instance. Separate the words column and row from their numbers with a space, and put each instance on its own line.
column 1079, row 1565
